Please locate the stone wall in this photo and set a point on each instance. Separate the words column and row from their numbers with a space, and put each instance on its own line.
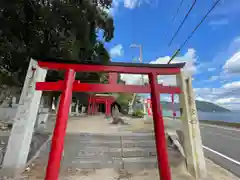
column 7, row 114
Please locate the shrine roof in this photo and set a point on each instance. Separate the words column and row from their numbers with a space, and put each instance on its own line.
column 122, row 64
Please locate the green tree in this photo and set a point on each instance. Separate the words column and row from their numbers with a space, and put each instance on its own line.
column 63, row 29
column 123, row 100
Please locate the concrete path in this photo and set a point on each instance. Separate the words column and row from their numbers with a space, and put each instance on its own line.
column 222, row 145
column 97, row 124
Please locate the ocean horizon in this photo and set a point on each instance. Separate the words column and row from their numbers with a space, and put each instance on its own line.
column 233, row 116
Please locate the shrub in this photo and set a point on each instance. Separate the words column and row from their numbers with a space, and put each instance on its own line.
column 138, row 113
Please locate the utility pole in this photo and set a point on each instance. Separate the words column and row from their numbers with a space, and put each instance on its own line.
column 142, row 78
column 140, row 57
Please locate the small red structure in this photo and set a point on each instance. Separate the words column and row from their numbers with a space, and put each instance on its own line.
column 149, row 106
column 69, row 85
column 94, row 100
column 173, row 108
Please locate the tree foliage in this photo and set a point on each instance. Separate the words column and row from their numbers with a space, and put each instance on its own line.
column 123, row 100
column 63, row 29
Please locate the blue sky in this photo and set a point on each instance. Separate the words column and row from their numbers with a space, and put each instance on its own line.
column 212, row 54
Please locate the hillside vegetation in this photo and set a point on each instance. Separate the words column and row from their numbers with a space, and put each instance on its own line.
column 201, row 106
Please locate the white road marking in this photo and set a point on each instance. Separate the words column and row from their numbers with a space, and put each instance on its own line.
column 222, row 155
column 221, row 127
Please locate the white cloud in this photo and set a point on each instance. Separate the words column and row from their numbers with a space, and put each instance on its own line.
column 218, row 22
column 228, row 67
column 189, row 57
column 227, row 100
column 227, row 96
column 116, row 51
column 232, row 85
column 214, row 78
column 230, row 103
column 211, row 69
column 232, row 65
column 221, row 58
column 133, row 78
column 129, row 4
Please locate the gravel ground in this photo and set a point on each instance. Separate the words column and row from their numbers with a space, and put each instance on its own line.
column 36, row 172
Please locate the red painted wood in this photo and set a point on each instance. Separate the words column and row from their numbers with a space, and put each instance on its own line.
column 55, row 155
column 89, row 104
column 162, row 155
column 95, row 100
column 173, row 108
column 112, row 78
column 102, row 68
column 102, row 88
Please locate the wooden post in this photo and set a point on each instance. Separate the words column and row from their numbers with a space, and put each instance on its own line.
column 161, row 145
column 55, row 154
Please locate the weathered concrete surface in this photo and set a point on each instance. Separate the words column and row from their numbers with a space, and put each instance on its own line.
column 37, row 141
column 36, row 171
column 21, row 135
column 190, row 127
column 68, row 172
column 136, row 150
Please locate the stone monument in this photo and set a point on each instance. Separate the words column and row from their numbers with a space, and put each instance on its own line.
column 24, row 121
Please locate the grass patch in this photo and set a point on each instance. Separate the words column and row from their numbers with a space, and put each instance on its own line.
column 221, row 123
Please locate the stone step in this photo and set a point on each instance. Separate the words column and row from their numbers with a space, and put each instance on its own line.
column 113, row 144
column 139, row 144
column 89, row 164
column 124, row 152
column 87, row 143
column 138, row 137
column 90, row 137
column 112, row 137
column 127, row 158
column 136, row 163
column 109, row 152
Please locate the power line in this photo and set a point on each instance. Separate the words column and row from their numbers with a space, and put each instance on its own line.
column 194, row 30
column 183, row 21
column 175, row 15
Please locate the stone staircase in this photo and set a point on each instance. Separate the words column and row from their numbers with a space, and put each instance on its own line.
column 119, row 151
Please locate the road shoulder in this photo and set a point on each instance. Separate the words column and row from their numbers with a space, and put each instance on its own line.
column 216, row 172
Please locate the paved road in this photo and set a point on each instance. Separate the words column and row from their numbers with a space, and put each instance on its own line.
column 222, row 145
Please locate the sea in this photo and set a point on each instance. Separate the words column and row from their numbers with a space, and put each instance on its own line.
column 214, row 116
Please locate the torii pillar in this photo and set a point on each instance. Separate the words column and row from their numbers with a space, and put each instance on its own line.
column 191, row 131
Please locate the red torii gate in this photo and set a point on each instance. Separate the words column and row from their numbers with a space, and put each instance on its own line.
column 94, row 100
column 69, row 85
column 107, row 100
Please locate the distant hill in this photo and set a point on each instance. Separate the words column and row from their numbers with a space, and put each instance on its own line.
column 201, row 106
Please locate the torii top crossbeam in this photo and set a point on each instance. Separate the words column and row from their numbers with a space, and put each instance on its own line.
column 131, row 68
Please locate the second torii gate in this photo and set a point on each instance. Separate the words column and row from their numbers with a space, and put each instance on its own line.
column 96, row 99
column 69, row 84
